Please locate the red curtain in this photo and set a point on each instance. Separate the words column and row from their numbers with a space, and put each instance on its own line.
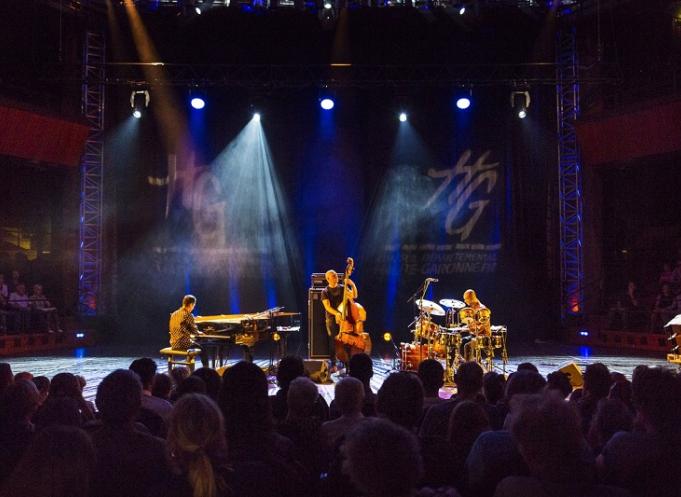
column 631, row 135
column 32, row 136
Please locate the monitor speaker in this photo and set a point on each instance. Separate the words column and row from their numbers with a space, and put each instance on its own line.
column 317, row 370
column 317, row 340
column 574, row 374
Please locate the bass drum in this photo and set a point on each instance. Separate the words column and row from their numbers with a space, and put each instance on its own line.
column 412, row 355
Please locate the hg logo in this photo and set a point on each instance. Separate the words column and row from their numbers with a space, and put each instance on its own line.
column 464, row 212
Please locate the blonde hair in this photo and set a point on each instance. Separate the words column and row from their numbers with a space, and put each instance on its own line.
column 196, row 438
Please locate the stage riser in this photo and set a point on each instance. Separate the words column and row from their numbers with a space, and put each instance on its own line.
column 28, row 344
column 623, row 340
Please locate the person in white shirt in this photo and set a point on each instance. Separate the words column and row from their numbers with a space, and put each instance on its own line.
column 19, row 302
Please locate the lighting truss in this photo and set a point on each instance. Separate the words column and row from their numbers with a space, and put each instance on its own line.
column 570, row 177
column 91, row 178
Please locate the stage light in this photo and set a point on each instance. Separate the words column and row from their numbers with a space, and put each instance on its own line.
column 198, row 103
column 462, row 10
column 328, row 5
column 197, row 10
column 139, row 100
column 387, row 337
column 463, row 103
column 520, row 101
column 256, row 116
column 327, row 103
column 403, row 117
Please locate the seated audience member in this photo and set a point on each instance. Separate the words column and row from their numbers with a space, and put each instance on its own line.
column 467, row 421
column 597, row 383
column 162, row 386
column 177, row 375
column 667, row 275
column 197, row 450
column 129, row 462
column 663, row 309
column 361, row 367
column 400, row 399
column 20, row 303
column 67, row 385
column 82, row 382
column 382, row 459
column 191, row 384
column 621, row 390
column 58, row 463
column 6, row 376
column 42, row 383
column 527, row 366
column 60, row 411
column 251, row 438
column 559, row 383
column 493, row 386
column 468, row 379
column 18, row 404
column 645, row 461
column 146, row 370
column 290, row 368
column 349, row 397
column 42, row 308
column 548, row 434
column 211, row 379
column 303, row 428
column 24, row 375
column 627, row 309
column 431, row 373
column 4, row 301
column 611, row 416
column 15, row 280
column 494, row 454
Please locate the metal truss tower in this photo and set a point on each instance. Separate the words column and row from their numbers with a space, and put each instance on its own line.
column 91, row 175
column 569, row 176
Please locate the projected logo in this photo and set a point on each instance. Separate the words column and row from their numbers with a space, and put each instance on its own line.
column 471, row 188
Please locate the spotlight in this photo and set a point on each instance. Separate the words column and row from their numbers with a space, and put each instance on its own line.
column 403, row 117
column 256, row 116
column 328, row 5
column 520, row 101
column 327, row 103
column 139, row 100
column 463, row 103
column 387, row 337
column 462, row 10
column 197, row 10
column 198, row 103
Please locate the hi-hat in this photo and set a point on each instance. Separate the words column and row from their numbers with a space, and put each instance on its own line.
column 430, row 307
column 453, row 303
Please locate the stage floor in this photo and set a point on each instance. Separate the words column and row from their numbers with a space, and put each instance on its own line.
column 94, row 363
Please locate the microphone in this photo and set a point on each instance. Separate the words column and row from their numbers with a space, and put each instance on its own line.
column 432, row 280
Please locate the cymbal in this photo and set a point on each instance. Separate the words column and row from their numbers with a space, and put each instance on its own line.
column 453, row 303
column 430, row 307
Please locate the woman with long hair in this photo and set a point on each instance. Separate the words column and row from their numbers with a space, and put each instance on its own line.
column 197, row 449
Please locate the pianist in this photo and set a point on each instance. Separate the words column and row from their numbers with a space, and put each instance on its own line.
column 182, row 326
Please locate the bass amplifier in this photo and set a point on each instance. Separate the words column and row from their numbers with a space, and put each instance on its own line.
column 318, row 280
column 317, row 339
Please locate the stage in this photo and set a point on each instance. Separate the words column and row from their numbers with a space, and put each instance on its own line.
column 94, row 363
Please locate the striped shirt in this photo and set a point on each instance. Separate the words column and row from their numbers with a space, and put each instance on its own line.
column 181, row 326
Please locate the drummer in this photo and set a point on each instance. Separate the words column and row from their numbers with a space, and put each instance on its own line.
column 476, row 315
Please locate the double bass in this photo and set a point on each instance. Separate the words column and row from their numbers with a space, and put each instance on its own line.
column 351, row 326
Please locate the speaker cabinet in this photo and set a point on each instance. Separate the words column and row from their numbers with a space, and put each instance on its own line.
column 317, row 341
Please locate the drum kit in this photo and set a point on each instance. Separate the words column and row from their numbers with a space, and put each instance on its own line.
column 465, row 335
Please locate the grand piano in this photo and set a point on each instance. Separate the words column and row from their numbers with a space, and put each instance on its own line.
column 219, row 332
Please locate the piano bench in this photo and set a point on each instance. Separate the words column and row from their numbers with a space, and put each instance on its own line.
column 180, row 357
